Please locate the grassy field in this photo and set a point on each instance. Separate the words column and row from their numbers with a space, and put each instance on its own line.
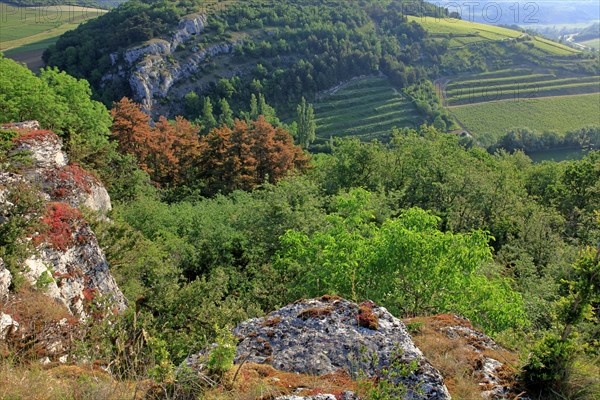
column 560, row 114
column 463, row 33
column 367, row 108
column 26, row 31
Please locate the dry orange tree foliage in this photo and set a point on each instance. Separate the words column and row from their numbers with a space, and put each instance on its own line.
column 165, row 151
column 226, row 159
column 247, row 155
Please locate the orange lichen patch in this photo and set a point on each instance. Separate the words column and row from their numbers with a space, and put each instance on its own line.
column 32, row 137
column 330, row 298
column 366, row 318
column 271, row 322
column 259, row 381
column 59, row 225
column 315, row 313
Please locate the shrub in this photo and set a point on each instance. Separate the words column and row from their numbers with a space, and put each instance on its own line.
column 221, row 357
column 549, row 364
column 59, row 225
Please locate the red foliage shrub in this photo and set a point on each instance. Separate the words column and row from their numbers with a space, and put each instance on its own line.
column 32, row 137
column 69, row 180
column 366, row 318
column 59, row 225
column 89, row 294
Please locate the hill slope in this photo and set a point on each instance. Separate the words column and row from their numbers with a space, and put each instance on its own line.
column 159, row 52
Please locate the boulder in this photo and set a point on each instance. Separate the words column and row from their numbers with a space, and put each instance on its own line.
column 7, row 325
column 323, row 336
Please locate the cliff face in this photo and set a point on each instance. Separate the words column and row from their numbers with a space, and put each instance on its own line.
column 155, row 67
column 67, row 262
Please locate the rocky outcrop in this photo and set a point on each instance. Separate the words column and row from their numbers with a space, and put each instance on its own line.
column 152, row 69
column 68, row 262
column 489, row 371
column 154, row 75
column 343, row 396
column 323, row 336
column 59, row 180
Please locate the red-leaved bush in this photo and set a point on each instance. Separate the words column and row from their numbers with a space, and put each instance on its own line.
column 67, row 181
column 32, row 137
column 59, row 225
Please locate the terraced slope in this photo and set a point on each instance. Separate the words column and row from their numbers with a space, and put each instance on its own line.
column 367, row 108
column 516, row 85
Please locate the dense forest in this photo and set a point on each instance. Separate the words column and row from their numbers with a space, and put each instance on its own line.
column 213, row 225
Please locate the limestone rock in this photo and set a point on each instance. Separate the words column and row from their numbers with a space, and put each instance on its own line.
column 322, row 336
column 152, row 69
column 5, row 280
column 26, row 125
column 343, row 396
column 7, row 325
column 76, row 276
column 44, row 147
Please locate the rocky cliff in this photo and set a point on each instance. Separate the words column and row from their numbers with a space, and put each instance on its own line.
column 66, row 265
column 153, row 68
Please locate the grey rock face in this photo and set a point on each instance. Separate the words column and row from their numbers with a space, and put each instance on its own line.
column 28, row 125
column 45, row 150
column 321, row 336
column 344, row 396
column 152, row 71
column 76, row 276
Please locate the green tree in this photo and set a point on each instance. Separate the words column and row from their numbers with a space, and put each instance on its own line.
column 226, row 114
column 208, row 117
column 191, row 104
column 253, row 107
column 406, row 264
column 306, row 124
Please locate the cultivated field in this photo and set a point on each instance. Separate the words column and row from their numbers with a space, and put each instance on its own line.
column 560, row 114
column 367, row 108
column 464, row 33
column 516, row 84
column 25, row 32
